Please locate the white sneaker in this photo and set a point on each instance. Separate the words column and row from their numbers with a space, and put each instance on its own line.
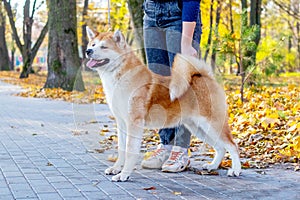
column 156, row 160
column 178, row 160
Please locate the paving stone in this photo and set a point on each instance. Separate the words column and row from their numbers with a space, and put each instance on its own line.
column 47, row 196
column 4, row 191
column 87, row 188
column 45, row 188
column 95, row 195
column 123, row 197
column 23, row 194
column 9, row 174
column 70, row 192
column 62, row 185
column 6, row 197
column 16, row 180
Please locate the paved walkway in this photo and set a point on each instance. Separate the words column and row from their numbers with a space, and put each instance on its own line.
column 46, row 153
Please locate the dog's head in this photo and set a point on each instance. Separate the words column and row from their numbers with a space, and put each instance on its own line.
column 104, row 49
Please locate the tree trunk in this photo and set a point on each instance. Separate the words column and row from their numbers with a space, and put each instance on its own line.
column 297, row 10
column 290, row 67
column 136, row 13
column 214, row 52
column 298, row 45
column 241, row 68
column 210, row 29
column 4, row 57
column 12, row 59
column 84, row 39
column 27, row 32
column 231, row 32
column 248, row 56
column 244, row 26
column 255, row 11
column 63, row 59
column 255, row 14
column 231, row 17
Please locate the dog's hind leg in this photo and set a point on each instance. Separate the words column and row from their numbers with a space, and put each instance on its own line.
column 220, row 151
column 117, row 167
column 219, row 154
column 231, row 147
column 220, row 142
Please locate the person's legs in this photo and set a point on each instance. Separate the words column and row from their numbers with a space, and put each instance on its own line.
column 158, row 62
column 182, row 134
column 155, row 48
column 172, row 24
column 156, row 52
column 178, row 159
column 166, row 18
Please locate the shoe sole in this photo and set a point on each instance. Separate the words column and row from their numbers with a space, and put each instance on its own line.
column 181, row 170
column 145, row 167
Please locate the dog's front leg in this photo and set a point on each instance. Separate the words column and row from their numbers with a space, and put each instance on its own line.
column 117, row 167
column 133, row 145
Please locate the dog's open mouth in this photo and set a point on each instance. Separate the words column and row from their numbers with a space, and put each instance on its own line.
column 97, row 63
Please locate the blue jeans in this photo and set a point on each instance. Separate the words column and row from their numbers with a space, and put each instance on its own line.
column 162, row 37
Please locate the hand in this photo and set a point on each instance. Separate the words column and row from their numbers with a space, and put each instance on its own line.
column 188, row 50
column 187, row 38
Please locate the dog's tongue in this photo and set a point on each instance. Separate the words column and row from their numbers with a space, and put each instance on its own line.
column 91, row 63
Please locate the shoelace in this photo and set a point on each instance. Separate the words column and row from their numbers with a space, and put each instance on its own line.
column 175, row 155
column 157, row 152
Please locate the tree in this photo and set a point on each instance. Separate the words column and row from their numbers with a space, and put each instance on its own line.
column 137, row 14
column 4, row 58
column 63, row 59
column 214, row 51
column 250, row 37
column 119, row 15
column 254, row 22
column 210, row 29
column 27, row 50
column 231, row 30
column 291, row 15
column 83, row 28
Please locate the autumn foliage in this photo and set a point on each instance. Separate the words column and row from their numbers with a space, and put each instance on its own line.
column 267, row 125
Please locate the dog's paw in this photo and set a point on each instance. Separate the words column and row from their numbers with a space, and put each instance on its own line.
column 121, row 177
column 112, row 170
column 234, row 172
column 209, row 167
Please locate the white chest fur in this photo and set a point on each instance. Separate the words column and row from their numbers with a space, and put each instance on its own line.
column 117, row 94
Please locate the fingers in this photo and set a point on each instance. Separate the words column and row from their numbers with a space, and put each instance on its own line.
column 189, row 50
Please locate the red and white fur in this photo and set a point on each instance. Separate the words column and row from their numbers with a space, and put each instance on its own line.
column 141, row 99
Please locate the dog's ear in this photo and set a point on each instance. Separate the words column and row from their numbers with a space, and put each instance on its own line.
column 90, row 33
column 119, row 39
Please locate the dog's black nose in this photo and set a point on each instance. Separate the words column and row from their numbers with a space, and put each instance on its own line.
column 89, row 52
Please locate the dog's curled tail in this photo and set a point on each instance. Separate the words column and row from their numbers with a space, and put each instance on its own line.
column 183, row 70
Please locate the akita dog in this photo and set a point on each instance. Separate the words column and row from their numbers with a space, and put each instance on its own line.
column 141, row 99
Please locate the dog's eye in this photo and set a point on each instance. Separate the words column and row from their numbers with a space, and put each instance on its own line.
column 93, row 45
column 103, row 47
